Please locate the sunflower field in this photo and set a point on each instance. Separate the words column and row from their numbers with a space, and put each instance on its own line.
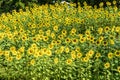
column 61, row 42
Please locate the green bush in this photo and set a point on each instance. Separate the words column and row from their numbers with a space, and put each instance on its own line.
column 9, row 5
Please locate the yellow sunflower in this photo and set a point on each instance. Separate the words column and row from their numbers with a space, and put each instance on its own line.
column 79, row 55
column 67, row 49
column 32, row 62
column 118, row 69
column 107, row 65
column 56, row 60
column 110, row 55
column 68, row 61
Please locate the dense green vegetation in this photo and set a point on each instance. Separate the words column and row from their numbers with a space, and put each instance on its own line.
column 60, row 42
column 8, row 5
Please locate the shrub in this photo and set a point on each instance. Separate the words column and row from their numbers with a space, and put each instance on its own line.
column 9, row 5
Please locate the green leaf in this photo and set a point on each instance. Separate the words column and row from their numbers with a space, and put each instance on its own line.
column 10, row 1
column 22, row 5
column 1, row 3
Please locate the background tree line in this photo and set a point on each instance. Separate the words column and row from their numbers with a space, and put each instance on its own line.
column 9, row 5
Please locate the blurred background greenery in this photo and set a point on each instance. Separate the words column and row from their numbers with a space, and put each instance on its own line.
column 9, row 5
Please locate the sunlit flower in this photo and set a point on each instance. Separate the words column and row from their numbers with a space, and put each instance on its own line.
column 1, row 36
column 1, row 52
column 32, row 62
column 13, row 49
column 67, row 40
column 85, row 59
column 98, row 42
column 101, row 4
column 90, row 53
column 108, row 3
column 48, row 32
column 73, row 31
column 117, row 29
column 92, row 39
column 117, row 53
column 34, row 39
column 36, row 54
column 45, row 38
column 64, row 32
column 58, row 42
column 44, row 50
column 41, row 32
column 24, row 38
column 6, row 53
column 79, row 55
column 101, row 38
column 110, row 55
column 106, row 29
column 50, row 46
column 55, row 28
column 15, row 53
column 9, row 58
column 97, row 55
column 67, row 49
column 100, row 30
column 105, row 43
column 69, row 61
column 48, row 52
column 80, row 35
column 10, row 36
column 112, row 42
column 107, row 65
column 62, row 49
column 73, row 54
column 30, row 51
column 118, row 69
column 40, row 37
column 56, row 60
column 74, row 41
column 87, row 32
column 88, row 37
column 21, row 49
column 114, row 2
column 40, row 53
column 53, row 35
column 61, row 37
column 18, row 56
column 77, row 49
column 34, row 45
column 82, row 40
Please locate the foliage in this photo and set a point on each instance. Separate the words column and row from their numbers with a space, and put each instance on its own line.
column 8, row 5
column 55, row 42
